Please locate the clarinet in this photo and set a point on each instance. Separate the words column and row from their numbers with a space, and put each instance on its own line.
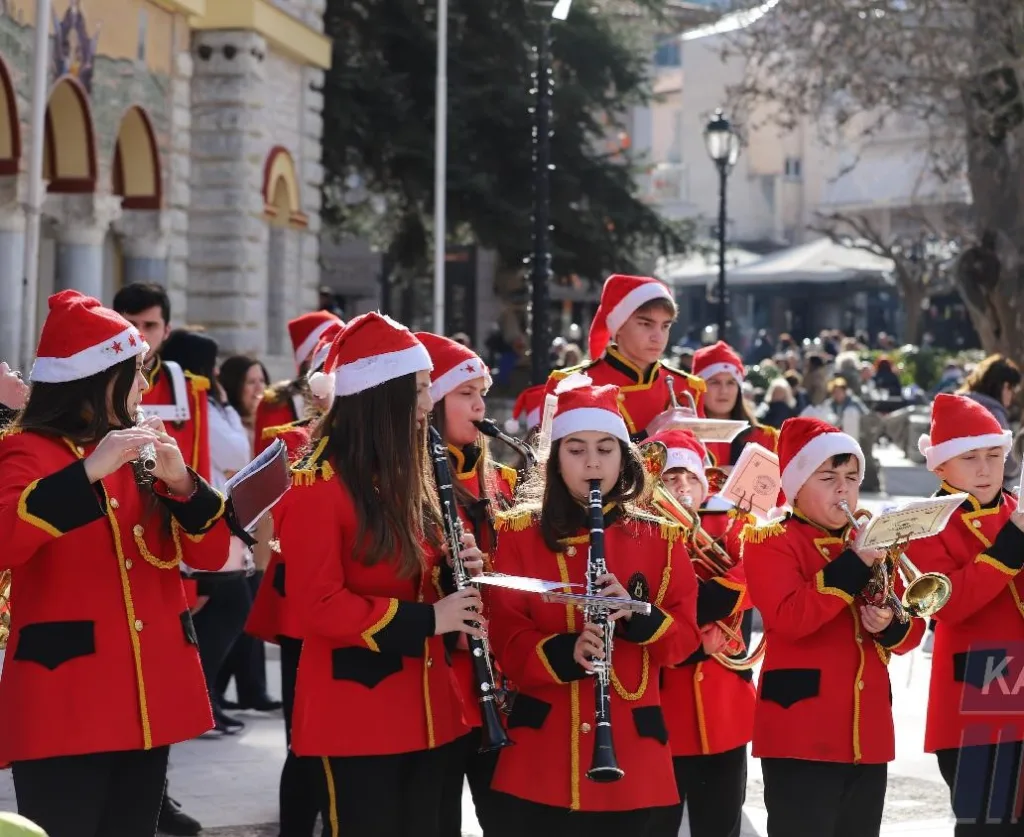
column 493, row 735
column 603, row 766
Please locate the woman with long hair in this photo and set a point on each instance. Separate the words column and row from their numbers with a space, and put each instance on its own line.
column 459, row 382
column 376, row 702
column 244, row 380
column 102, row 673
column 540, row 784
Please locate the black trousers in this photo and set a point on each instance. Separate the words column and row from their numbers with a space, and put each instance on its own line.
column 521, row 818
column 984, row 788
column 219, row 623
column 713, row 789
column 246, row 661
column 384, row 796
column 94, row 795
column 465, row 763
column 826, row 799
column 299, row 792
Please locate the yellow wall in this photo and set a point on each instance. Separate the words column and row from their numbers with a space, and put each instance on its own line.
column 119, row 24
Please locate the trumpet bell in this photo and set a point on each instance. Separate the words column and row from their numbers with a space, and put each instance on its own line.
column 927, row 594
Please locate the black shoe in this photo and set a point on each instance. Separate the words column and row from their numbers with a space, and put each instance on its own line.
column 175, row 821
column 224, row 723
column 263, row 704
column 229, row 704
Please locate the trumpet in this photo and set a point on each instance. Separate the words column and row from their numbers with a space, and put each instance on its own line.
column 925, row 593
column 709, row 558
column 5, row 608
column 674, row 400
column 489, row 428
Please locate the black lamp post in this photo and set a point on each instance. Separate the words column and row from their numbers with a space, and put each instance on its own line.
column 723, row 146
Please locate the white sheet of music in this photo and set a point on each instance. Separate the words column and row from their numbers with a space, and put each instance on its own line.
column 913, row 520
column 754, row 482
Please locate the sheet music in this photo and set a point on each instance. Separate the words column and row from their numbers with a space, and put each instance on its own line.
column 913, row 520
column 712, row 430
column 754, row 482
column 271, row 457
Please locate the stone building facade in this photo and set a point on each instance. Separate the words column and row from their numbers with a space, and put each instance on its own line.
column 182, row 146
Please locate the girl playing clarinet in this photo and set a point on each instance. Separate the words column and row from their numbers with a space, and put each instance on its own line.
column 542, row 784
column 376, row 703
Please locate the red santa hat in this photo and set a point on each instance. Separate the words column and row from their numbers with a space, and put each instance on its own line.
column 81, row 338
column 709, row 361
column 685, row 451
column 583, row 406
column 305, row 332
column 454, row 364
column 804, row 444
column 320, row 384
column 528, row 404
column 960, row 424
column 372, row 350
column 620, row 298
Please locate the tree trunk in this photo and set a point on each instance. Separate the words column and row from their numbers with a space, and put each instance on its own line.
column 913, row 296
column 990, row 275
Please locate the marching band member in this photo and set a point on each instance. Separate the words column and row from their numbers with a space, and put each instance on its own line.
column 13, row 393
column 635, row 315
column 273, row 619
column 285, row 403
column 823, row 724
column 547, row 650
column 527, row 411
column 102, row 671
column 709, row 709
column 180, row 400
column 376, row 703
column 459, row 382
column 974, row 724
column 723, row 372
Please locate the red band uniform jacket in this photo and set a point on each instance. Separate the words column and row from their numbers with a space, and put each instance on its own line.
column 824, row 691
column 980, row 631
column 727, row 454
column 553, row 714
column 643, row 394
column 708, row 708
column 271, row 615
column 373, row 678
column 192, row 436
column 465, row 465
column 102, row 654
column 281, row 405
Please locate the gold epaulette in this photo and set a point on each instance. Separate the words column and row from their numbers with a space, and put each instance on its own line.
column 752, row 533
column 558, row 374
column 669, row 530
column 516, row 519
column 313, row 466
column 692, row 381
column 745, row 517
column 199, row 383
column 277, row 430
column 509, row 474
column 11, row 429
column 275, row 394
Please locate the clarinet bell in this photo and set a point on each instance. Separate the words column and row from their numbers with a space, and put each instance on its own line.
column 492, row 735
column 604, row 767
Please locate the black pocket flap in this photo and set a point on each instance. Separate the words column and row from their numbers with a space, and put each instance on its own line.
column 52, row 643
column 786, row 686
column 278, row 580
column 980, row 664
column 188, row 628
column 650, row 723
column 529, row 712
column 362, row 665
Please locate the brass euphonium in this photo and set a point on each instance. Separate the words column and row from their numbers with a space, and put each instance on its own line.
column 924, row 594
column 709, row 558
column 5, row 608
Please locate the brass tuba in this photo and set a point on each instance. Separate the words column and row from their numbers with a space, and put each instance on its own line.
column 709, row 558
column 925, row 593
column 5, row 608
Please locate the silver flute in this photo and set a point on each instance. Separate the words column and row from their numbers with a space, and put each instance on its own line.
column 147, row 453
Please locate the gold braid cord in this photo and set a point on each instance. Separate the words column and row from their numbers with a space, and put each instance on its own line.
column 5, row 607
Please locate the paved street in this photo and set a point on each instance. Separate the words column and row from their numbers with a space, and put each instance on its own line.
column 230, row 783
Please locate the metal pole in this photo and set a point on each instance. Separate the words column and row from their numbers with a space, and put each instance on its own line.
column 36, row 187
column 723, row 176
column 541, row 263
column 440, row 164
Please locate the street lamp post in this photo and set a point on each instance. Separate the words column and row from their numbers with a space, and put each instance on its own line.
column 540, row 262
column 723, row 145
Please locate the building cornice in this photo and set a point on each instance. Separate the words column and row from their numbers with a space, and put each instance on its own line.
column 282, row 32
column 185, row 7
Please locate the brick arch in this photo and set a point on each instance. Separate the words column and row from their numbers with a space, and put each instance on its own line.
column 69, row 155
column 10, row 125
column 281, row 196
column 136, row 172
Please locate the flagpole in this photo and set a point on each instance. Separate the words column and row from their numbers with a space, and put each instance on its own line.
column 440, row 164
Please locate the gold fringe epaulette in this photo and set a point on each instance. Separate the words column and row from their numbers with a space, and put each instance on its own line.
column 315, row 465
column 199, row 383
column 276, row 393
column 509, row 474
column 745, row 517
column 669, row 530
column 752, row 533
column 692, row 381
column 516, row 519
column 9, row 430
column 276, row 430
column 558, row 374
